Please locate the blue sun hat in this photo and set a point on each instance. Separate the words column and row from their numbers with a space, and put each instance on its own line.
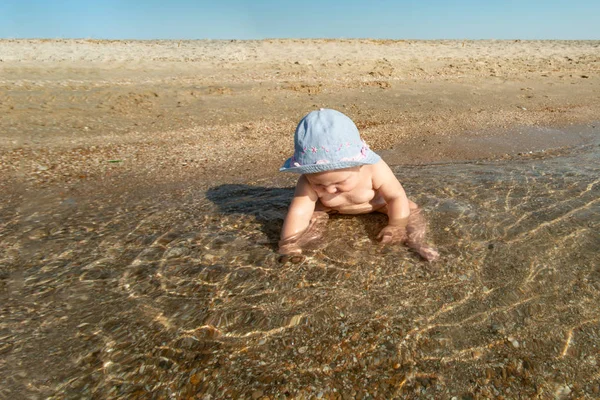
column 326, row 140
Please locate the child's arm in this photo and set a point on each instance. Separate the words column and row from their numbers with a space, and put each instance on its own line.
column 400, row 215
column 298, row 217
column 386, row 183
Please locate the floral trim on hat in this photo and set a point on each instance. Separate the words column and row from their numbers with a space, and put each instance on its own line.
column 314, row 149
column 362, row 155
column 358, row 157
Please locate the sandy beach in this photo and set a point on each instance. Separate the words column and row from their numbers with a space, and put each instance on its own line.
column 196, row 109
column 129, row 269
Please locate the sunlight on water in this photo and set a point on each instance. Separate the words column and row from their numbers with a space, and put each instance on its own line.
column 184, row 295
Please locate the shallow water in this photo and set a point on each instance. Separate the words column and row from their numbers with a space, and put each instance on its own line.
column 178, row 293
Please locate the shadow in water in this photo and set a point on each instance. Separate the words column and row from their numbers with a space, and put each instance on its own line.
column 267, row 205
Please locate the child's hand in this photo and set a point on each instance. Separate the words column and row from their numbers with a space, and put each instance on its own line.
column 393, row 234
column 428, row 253
column 294, row 259
column 289, row 252
column 288, row 249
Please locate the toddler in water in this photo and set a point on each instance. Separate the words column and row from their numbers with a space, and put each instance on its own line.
column 340, row 174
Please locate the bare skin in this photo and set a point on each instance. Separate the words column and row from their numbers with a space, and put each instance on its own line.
column 357, row 190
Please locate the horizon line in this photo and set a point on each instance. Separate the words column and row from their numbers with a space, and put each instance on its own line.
column 292, row 38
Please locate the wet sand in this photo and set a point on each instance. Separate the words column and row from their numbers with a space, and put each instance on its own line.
column 140, row 207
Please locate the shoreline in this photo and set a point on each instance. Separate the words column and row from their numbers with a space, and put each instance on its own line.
column 214, row 110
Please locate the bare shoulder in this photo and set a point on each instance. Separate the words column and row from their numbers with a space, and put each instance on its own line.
column 381, row 174
column 304, row 189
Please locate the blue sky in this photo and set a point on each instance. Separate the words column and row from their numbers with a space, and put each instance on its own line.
column 258, row 19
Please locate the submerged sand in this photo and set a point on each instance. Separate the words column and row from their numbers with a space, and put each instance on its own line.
column 140, row 206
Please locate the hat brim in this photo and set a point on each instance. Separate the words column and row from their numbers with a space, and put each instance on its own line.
column 371, row 158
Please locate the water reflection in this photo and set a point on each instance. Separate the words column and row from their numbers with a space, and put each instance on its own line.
column 182, row 295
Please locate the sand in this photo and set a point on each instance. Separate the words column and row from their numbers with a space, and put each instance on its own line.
column 210, row 110
column 130, row 268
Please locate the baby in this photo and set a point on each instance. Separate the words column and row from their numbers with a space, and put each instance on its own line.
column 339, row 173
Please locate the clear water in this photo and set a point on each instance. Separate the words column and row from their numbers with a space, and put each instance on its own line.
column 179, row 293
